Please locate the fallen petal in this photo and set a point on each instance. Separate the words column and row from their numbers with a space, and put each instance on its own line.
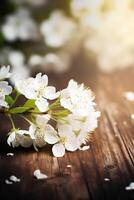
column 39, row 175
column 14, row 179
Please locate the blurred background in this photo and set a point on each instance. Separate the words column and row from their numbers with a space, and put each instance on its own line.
column 58, row 37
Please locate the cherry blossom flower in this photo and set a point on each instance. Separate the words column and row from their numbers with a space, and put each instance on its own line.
column 5, row 89
column 77, row 99
column 35, row 60
column 37, row 88
column 35, row 134
column 19, row 138
column 19, row 73
column 81, row 126
column 19, row 25
column 58, row 62
column 63, row 139
column 16, row 59
column 72, row 114
column 58, row 29
column 38, row 130
column 4, row 72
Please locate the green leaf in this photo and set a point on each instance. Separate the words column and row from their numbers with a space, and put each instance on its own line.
column 30, row 103
column 9, row 100
column 35, row 110
column 61, row 113
column 55, row 104
column 18, row 110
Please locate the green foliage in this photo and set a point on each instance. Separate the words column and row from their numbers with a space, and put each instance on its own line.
column 18, row 110
column 9, row 100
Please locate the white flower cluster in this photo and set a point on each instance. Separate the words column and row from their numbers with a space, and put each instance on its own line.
column 19, row 25
column 52, row 62
column 103, row 28
column 18, row 62
column 113, row 42
column 5, row 89
column 58, row 29
column 109, row 27
column 63, row 119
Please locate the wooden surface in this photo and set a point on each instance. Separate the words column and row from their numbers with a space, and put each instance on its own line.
column 111, row 153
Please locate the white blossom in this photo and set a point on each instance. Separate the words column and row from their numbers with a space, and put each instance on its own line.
column 19, row 73
column 73, row 112
column 19, row 138
column 19, row 25
column 52, row 62
column 35, row 60
column 19, row 68
column 77, row 99
column 38, row 130
column 58, row 29
column 63, row 139
column 56, row 62
column 16, row 59
column 4, row 72
column 37, row 88
column 81, row 126
column 35, row 134
column 112, row 42
column 5, row 89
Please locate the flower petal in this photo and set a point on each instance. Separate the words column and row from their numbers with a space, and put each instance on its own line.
column 42, row 104
column 42, row 119
column 71, row 144
column 50, row 135
column 32, row 130
column 50, row 93
column 11, row 138
column 58, row 150
column 42, row 79
column 64, row 130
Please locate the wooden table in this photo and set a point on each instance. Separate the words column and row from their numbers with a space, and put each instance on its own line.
column 100, row 173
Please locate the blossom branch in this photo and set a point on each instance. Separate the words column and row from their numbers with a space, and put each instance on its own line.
column 63, row 119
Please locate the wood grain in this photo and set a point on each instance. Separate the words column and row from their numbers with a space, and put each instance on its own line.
column 111, row 153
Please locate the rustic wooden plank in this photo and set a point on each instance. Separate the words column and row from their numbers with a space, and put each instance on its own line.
column 111, row 153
